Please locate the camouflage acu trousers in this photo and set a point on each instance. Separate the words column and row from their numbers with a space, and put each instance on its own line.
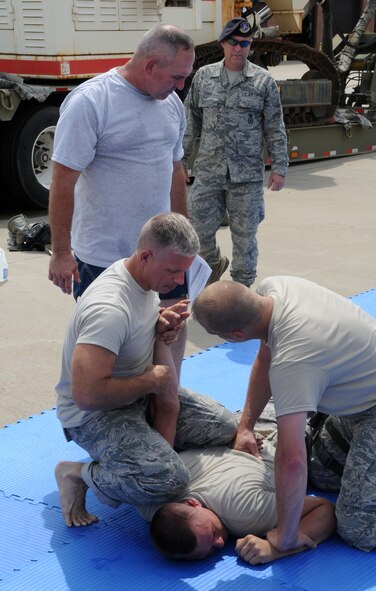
column 356, row 503
column 132, row 463
column 209, row 198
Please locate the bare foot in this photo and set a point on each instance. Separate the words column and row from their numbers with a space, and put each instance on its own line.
column 72, row 491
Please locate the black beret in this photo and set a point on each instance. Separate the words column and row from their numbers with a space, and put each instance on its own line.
column 236, row 26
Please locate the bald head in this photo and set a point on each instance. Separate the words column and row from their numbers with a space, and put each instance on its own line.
column 226, row 306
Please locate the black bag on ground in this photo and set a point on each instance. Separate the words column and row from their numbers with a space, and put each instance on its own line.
column 23, row 236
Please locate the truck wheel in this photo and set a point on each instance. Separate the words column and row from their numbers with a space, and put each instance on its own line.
column 26, row 153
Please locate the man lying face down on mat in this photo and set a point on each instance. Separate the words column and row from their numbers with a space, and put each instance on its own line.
column 232, row 492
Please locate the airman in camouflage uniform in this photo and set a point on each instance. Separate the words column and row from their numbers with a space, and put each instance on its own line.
column 234, row 107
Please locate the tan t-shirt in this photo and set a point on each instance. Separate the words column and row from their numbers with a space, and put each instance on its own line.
column 238, row 487
column 323, row 349
column 114, row 313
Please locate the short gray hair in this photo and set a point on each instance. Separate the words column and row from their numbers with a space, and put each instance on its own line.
column 164, row 39
column 169, row 230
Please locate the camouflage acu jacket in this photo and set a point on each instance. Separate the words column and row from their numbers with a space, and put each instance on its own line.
column 233, row 121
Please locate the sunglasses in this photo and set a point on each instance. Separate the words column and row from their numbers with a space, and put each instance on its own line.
column 235, row 42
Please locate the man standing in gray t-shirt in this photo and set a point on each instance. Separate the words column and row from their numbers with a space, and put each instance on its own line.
column 117, row 160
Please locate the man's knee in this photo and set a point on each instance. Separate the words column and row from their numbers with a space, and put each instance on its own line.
column 164, row 486
column 227, row 428
column 203, row 421
column 356, row 528
column 156, row 482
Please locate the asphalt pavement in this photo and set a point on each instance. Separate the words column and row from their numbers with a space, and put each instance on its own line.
column 321, row 226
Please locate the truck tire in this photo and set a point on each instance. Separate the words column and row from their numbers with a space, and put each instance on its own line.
column 26, row 152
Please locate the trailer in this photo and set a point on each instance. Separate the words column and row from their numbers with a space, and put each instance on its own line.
column 329, row 141
column 319, row 142
column 48, row 47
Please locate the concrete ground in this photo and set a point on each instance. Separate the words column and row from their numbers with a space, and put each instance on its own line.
column 321, row 226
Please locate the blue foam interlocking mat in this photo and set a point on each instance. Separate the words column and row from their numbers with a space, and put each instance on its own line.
column 37, row 551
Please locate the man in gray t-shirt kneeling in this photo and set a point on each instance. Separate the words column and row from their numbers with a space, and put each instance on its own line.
column 118, row 394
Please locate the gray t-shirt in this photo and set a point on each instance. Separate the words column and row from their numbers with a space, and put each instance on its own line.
column 125, row 143
column 114, row 313
column 238, row 487
column 323, row 349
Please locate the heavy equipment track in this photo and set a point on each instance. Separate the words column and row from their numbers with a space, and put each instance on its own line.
column 265, row 50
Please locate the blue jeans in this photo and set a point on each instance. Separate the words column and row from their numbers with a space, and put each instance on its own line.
column 87, row 275
column 90, row 272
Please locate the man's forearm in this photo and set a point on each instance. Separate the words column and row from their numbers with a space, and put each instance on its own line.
column 61, row 206
column 60, row 218
column 165, row 423
column 194, row 123
column 166, row 406
column 318, row 523
column 178, row 194
column 255, row 550
column 258, row 393
column 94, row 387
column 291, row 484
column 63, row 266
column 109, row 392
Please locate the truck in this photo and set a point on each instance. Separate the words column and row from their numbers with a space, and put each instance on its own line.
column 48, row 47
